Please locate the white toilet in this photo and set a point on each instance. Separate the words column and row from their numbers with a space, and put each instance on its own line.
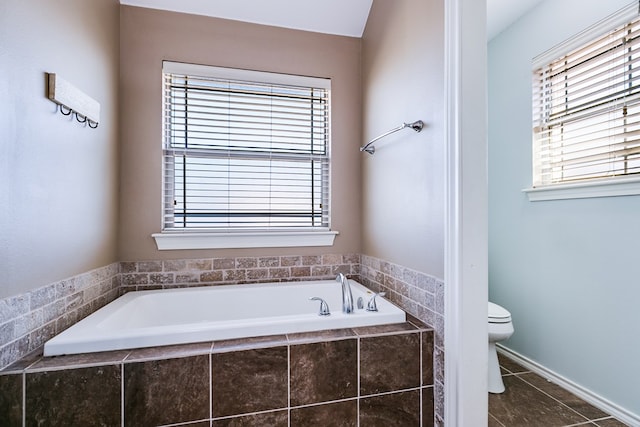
column 500, row 328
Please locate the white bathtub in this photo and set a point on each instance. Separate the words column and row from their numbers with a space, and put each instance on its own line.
column 188, row 315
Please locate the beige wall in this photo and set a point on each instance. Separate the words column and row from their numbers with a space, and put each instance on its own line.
column 150, row 36
column 403, row 183
column 58, row 178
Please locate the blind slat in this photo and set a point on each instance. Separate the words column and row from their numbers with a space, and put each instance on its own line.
column 241, row 154
column 586, row 110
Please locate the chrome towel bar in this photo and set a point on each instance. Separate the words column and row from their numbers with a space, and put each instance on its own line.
column 417, row 126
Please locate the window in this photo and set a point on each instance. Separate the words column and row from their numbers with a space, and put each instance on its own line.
column 586, row 108
column 244, row 151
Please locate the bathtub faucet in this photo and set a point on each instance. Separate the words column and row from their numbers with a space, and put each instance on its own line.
column 347, row 297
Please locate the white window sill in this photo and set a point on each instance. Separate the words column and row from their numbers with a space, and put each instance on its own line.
column 583, row 190
column 175, row 240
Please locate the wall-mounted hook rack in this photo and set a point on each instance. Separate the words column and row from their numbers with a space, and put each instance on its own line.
column 72, row 100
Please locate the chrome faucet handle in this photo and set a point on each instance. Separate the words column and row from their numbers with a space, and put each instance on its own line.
column 324, row 307
column 372, row 306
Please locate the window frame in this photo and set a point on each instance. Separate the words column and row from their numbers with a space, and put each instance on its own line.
column 213, row 238
column 622, row 185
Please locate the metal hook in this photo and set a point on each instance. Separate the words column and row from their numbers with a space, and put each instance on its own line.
column 69, row 110
column 78, row 118
column 94, row 123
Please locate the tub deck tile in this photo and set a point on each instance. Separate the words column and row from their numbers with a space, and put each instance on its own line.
column 394, row 328
column 169, row 352
column 79, row 360
column 418, row 323
column 224, row 346
column 21, row 364
column 320, row 336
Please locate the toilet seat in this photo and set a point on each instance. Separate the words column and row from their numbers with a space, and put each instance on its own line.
column 498, row 314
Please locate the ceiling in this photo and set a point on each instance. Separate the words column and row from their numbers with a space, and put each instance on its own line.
column 342, row 17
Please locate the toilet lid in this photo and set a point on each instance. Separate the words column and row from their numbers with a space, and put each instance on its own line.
column 498, row 314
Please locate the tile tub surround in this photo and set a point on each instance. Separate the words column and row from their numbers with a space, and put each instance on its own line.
column 418, row 294
column 301, row 379
column 143, row 275
column 415, row 292
column 30, row 319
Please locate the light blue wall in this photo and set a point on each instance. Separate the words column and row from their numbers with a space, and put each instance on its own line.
column 567, row 270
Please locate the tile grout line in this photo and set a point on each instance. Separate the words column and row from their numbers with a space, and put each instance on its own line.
column 587, row 423
column 610, row 417
column 122, row 393
column 185, row 423
column 211, row 386
column 358, row 383
column 387, row 393
column 497, row 420
column 242, row 415
column 591, row 421
column 24, row 399
column 312, row 405
column 76, row 366
column 288, row 382
column 552, row 397
column 421, row 380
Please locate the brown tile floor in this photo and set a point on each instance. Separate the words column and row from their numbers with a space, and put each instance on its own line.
column 530, row 400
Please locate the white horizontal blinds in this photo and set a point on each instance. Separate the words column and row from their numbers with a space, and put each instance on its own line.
column 244, row 155
column 586, row 108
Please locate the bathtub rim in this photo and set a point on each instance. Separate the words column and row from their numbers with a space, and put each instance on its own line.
column 59, row 344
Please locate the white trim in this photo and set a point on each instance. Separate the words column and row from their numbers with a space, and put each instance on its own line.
column 233, row 240
column 245, row 75
column 588, row 189
column 466, row 264
column 620, row 17
column 585, row 394
column 452, row 315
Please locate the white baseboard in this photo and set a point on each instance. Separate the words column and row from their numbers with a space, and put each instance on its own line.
column 589, row 396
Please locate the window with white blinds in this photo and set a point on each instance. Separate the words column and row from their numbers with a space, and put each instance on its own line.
column 244, row 150
column 586, row 110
